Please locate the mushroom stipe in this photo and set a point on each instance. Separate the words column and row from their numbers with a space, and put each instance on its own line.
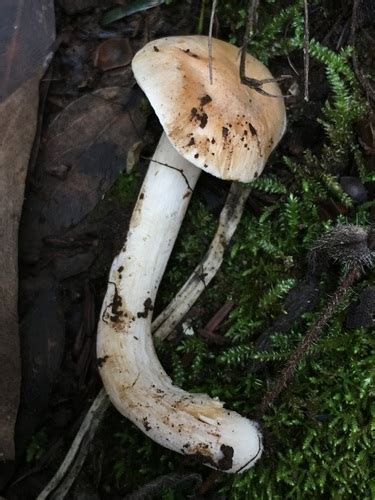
column 173, row 74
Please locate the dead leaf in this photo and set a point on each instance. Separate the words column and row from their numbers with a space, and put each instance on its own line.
column 74, row 6
column 27, row 33
column 82, row 152
column 42, row 333
column 91, row 137
column 18, row 116
column 113, row 54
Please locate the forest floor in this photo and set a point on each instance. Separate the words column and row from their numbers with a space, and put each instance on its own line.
column 97, row 129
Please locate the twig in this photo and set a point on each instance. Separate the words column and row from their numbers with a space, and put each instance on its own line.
column 208, row 331
column 367, row 87
column 212, row 18
column 253, row 83
column 306, row 43
column 249, row 29
column 219, row 316
column 64, row 478
column 312, row 334
column 201, row 17
column 230, row 217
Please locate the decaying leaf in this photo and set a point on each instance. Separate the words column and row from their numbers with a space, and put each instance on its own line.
column 18, row 116
column 27, row 33
column 74, row 6
column 135, row 6
column 88, row 141
column 82, row 152
column 113, row 54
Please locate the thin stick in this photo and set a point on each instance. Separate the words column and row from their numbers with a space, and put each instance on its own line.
column 306, row 47
column 366, row 85
column 201, row 17
column 212, row 19
column 312, row 334
column 249, row 29
column 77, row 452
column 253, row 83
column 206, row 270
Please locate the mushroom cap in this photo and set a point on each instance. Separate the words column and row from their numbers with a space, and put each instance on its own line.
column 224, row 128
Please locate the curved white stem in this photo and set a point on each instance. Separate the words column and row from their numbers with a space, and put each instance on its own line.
column 206, row 270
column 192, row 424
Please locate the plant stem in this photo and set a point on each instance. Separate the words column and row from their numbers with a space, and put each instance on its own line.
column 201, row 17
column 312, row 334
column 206, row 270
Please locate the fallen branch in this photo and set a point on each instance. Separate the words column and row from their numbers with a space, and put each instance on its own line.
column 306, row 44
column 212, row 18
column 230, row 217
column 253, row 83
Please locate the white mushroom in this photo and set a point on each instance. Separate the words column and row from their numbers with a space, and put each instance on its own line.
column 228, row 130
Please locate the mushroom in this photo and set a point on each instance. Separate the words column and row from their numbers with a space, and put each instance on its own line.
column 228, row 130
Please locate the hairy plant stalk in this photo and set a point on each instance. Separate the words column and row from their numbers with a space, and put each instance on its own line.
column 206, row 270
column 191, row 424
column 311, row 336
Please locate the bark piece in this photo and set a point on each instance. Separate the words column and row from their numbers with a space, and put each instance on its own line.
column 18, row 117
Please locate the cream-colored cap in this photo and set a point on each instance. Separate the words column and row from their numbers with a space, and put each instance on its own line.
column 224, row 128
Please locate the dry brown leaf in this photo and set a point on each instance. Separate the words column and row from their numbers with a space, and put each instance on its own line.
column 112, row 54
column 18, row 120
column 27, row 33
column 88, row 142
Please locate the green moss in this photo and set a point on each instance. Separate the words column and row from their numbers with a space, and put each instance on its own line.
column 322, row 428
column 125, row 189
column 37, row 446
